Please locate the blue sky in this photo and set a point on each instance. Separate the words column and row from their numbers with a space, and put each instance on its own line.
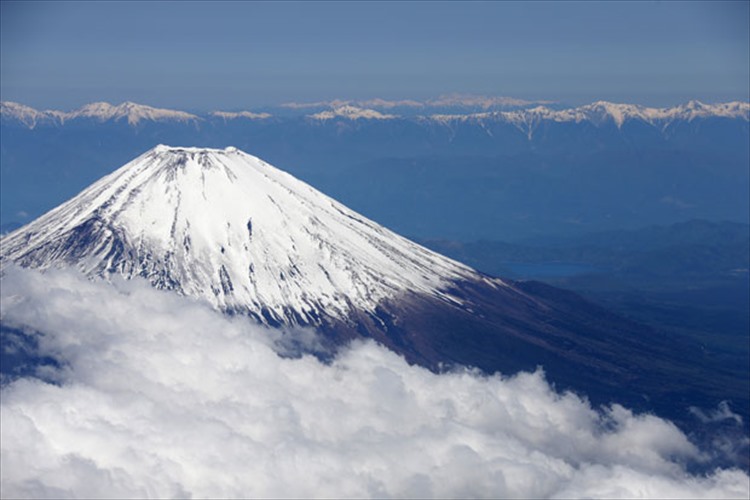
column 231, row 55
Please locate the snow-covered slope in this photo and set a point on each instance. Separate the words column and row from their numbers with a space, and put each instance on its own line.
column 444, row 101
column 224, row 226
column 602, row 112
column 100, row 111
column 229, row 228
column 29, row 116
column 598, row 114
column 527, row 118
column 351, row 113
column 483, row 102
column 235, row 115
column 130, row 111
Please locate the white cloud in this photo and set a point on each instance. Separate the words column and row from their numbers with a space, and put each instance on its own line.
column 163, row 397
column 721, row 413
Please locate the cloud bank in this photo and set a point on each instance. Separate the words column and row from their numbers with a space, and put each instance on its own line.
column 159, row 396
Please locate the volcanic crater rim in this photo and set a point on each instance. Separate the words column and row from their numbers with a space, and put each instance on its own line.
column 164, row 148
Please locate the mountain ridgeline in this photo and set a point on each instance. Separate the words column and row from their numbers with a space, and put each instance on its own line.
column 229, row 229
column 516, row 170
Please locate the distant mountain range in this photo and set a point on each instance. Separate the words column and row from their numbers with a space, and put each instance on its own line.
column 101, row 112
column 450, row 101
column 526, row 115
column 455, row 168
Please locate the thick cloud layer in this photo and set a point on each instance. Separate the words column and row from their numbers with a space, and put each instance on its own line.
column 158, row 396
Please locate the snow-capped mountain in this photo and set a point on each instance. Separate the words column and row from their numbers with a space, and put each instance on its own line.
column 228, row 228
column 225, row 227
column 129, row 112
column 602, row 112
column 235, row 115
column 445, row 101
column 525, row 117
column 28, row 116
column 351, row 113
column 385, row 161
column 483, row 102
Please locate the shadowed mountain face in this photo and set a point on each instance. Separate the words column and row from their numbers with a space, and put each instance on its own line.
column 227, row 228
column 581, row 346
column 688, row 282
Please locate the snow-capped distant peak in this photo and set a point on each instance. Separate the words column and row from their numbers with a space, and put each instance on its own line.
column 483, row 102
column 605, row 110
column 100, row 111
column 232, row 115
column 602, row 112
column 696, row 109
column 224, row 226
column 452, row 100
column 29, row 116
column 24, row 114
column 132, row 112
column 351, row 113
column 599, row 113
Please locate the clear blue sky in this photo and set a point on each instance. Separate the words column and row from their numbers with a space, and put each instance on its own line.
column 202, row 56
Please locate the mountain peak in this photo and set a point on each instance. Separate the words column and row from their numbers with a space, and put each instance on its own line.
column 165, row 149
column 352, row 113
column 602, row 112
column 694, row 104
column 165, row 156
column 234, row 115
column 27, row 115
column 526, row 118
column 226, row 227
column 132, row 112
